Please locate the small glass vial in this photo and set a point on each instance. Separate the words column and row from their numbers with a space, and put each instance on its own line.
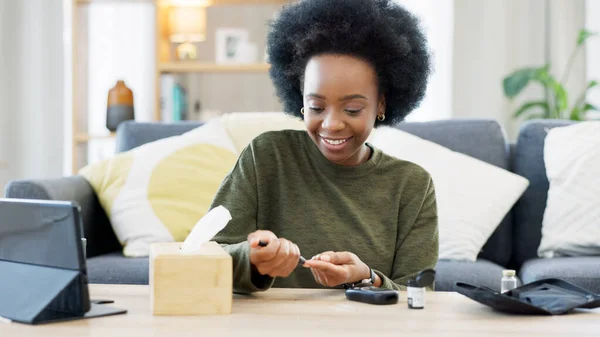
column 415, row 295
column 508, row 282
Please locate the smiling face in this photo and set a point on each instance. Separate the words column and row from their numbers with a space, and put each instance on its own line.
column 341, row 102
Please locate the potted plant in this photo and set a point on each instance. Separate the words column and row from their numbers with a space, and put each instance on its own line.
column 555, row 104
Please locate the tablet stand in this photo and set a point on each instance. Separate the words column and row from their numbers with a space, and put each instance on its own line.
column 35, row 294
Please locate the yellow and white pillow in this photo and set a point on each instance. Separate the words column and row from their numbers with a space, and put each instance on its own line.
column 158, row 191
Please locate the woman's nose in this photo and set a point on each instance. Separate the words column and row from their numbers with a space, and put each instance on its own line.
column 332, row 122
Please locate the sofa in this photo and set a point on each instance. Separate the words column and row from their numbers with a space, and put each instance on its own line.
column 513, row 245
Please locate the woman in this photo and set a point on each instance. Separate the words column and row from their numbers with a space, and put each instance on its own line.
column 344, row 67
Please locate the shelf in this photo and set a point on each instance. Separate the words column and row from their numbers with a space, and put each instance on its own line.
column 84, row 137
column 186, row 67
column 163, row 52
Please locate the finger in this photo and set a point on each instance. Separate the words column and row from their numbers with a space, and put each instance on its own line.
column 315, row 271
column 332, row 279
column 324, row 278
column 260, row 235
column 321, row 278
column 330, row 273
column 339, row 258
column 296, row 254
column 292, row 259
column 325, row 256
column 321, row 266
column 278, row 265
column 316, row 276
column 289, row 266
column 268, row 253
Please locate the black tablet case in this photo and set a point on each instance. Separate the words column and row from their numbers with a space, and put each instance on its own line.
column 551, row 296
column 42, row 268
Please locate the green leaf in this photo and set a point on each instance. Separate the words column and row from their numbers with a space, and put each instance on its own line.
column 579, row 113
column 584, row 35
column 561, row 98
column 589, row 107
column 514, row 83
column 530, row 105
column 575, row 114
column 592, row 84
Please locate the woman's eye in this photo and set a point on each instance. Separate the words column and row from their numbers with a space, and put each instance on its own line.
column 353, row 111
column 317, row 110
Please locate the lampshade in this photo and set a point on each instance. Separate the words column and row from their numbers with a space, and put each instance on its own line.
column 187, row 24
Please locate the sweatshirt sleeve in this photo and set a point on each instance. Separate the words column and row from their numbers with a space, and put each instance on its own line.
column 419, row 248
column 238, row 193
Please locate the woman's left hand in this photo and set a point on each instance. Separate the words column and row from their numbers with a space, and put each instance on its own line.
column 334, row 268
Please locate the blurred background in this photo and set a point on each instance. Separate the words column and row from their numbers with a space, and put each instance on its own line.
column 71, row 70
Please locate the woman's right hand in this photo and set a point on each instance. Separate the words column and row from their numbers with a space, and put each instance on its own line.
column 278, row 258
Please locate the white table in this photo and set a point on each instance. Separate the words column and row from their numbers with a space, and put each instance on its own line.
column 301, row 312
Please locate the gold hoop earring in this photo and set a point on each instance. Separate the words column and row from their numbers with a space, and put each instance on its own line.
column 302, row 111
column 381, row 118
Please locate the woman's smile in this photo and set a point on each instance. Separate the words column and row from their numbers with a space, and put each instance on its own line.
column 335, row 143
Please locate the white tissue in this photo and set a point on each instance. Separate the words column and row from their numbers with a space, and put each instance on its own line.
column 205, row 229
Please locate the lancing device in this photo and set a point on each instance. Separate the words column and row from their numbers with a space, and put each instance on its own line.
column 301, row 260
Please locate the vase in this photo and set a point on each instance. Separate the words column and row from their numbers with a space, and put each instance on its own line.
column 119, row 106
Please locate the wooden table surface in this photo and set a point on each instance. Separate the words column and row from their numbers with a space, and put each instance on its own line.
column 301, row 312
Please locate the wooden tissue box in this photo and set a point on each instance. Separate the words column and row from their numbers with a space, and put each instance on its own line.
column 200, row 283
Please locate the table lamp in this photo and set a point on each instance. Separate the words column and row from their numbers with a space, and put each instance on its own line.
column 187, row 24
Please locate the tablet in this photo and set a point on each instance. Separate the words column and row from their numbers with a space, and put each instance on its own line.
column 42, row 263
column 42, row 232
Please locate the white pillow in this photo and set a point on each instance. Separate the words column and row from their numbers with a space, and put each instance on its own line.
column 242, row 127
column 472, row 196
column 571, row 223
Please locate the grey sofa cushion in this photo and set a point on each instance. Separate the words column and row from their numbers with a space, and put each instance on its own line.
column 114, row 268
column 96, row 227
column 582, row 271
column 479, row 273
column 481, row 139
column 131, row 134
column 529, row 210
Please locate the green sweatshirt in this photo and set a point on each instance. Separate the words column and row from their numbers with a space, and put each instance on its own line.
column 383, row 210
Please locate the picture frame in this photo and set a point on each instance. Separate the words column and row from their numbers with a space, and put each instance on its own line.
column 232, row 46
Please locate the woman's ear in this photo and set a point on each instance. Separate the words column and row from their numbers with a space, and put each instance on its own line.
column 381, row 106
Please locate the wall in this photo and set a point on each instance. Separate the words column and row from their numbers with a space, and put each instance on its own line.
column 567, row 17
column 492, row 38
column 114, row 42
column 593, row 51
column 495, row 37
column 437, row 21
column 31, row 92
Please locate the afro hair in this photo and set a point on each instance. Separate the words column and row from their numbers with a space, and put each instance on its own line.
column 380, row 32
